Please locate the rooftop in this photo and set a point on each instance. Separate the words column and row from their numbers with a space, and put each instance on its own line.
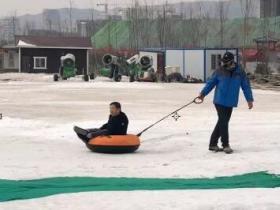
column 53, row 42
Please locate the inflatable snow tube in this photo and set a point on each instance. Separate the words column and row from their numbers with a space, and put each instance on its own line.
column 114, row 144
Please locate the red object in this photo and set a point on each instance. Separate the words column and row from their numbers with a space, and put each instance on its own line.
column 251, row 55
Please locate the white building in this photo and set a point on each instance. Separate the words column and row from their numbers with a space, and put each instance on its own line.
column 9, row 59
column 196, row 63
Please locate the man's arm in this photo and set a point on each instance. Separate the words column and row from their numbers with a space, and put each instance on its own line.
column 247, row 90
column 125, row 125
column 105, row 126
column 211, row 83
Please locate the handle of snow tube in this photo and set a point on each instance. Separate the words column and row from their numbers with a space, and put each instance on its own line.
column 198, row 100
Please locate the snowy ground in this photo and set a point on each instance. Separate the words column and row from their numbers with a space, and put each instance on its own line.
column 36, row 140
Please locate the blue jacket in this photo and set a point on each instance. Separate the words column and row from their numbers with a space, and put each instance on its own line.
column 228, row 83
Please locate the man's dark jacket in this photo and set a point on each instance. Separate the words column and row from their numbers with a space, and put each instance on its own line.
column 117, row 125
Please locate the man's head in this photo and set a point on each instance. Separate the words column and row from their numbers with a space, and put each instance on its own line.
column 115, row 108
column 228, row 60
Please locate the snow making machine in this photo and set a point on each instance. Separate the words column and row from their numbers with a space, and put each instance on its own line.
column 141, row 68
column 112, row 68
column 68, row 68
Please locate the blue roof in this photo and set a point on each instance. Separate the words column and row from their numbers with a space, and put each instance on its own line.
column 164, row 49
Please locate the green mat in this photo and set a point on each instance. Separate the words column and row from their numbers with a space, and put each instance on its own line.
column 27, row 189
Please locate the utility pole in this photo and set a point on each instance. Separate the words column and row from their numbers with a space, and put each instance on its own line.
column 105, row 5
column 70, row 15
column 14, row 29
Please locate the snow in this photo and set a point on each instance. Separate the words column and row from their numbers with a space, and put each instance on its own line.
column 24, row 44
column 36, row 140
column 241, row 199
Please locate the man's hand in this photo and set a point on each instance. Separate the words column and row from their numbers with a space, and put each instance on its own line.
column 250, row 105
column 201, row 97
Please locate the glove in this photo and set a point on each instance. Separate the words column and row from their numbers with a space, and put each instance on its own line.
column 89, row 135
column 201, row 96
column 250, row 105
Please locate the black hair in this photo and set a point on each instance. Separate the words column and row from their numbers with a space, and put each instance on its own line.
column 116, row 104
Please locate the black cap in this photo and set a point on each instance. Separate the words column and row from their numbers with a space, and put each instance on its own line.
column 228, row 56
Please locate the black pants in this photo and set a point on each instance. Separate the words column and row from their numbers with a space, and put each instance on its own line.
column 221, row 128
column 94, row 133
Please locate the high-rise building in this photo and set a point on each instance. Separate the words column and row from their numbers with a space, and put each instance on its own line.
column 270, row 8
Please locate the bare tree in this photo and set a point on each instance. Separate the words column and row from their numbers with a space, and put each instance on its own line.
column 161, row 25
column 146, row 21
column 247, row 8
column 206, row 24
column 196, row 24
column 134, row 21
column 222, row 12
column 28, row 26
column 70, row 11
column 264, row 46
column 14, row 25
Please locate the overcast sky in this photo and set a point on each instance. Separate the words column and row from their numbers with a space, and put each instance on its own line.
column 9, row 7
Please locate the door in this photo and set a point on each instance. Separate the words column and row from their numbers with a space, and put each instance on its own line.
column 1, row 61
column 26, row 64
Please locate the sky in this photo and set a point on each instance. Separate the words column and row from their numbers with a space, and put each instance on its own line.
column 20, row 7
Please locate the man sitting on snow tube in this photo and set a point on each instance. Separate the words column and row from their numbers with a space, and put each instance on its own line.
column 116, row 125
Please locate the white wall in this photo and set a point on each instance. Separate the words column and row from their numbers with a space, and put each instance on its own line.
column 6, row 60
column 209, row 53
column 191, row 62
column 154, row 56
column 175, row 58
column 194, row 63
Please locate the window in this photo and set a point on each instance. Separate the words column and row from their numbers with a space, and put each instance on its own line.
column 40, row 62
column 215, row 61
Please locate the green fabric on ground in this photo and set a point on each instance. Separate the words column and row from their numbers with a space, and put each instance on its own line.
column 28, row 189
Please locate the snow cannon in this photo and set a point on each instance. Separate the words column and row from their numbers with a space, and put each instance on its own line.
column 68, row 68
column 109, row 59
column 133, row 60
column 146, row 62
column 141, row 68
column 115, row 144
column 112, row 67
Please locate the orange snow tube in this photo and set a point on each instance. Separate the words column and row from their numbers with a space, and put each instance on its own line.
column 114, row 144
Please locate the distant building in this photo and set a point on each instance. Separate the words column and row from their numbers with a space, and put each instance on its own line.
column 87, row 28
column 269, row 8
column 41, row 54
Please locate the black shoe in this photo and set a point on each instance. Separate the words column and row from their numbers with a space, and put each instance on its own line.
column 80, row 131
column 228, row 150
column 215, row 149
column 83, row 138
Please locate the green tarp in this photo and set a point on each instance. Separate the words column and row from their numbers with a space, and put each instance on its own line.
column 27, row 189
column 116, row 33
